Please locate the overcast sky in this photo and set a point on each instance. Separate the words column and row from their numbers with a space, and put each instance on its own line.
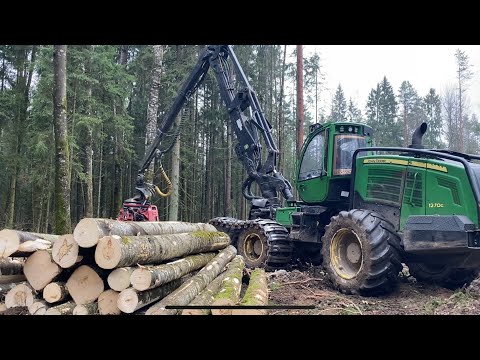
column 358, row 68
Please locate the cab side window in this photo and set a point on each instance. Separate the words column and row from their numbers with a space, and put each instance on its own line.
column 312, row 162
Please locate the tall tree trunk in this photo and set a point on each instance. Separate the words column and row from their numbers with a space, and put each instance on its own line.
column 175, row 197
column 281, row 124
column 62, row 185
column 300, row 111
column 89, row 152
column 228, row 173
column 152, row 108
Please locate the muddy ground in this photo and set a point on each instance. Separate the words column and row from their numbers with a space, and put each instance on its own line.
column 310, row 286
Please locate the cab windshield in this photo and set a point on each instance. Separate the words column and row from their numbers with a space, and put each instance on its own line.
column 344, row 147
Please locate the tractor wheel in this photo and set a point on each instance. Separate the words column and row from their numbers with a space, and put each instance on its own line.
column 442, row 275
column 361, row 253
column 253, row 246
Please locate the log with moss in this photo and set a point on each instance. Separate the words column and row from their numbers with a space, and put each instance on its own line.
column 119, row 279
column 63, row 309
column 65, row 251
column 130, row 300
column 115, row 251
column 40, row 269
column 20, row 295
column 229, row 293
column 10, row 266
column 255, row 295
column 15, row 241
column 87, row 309
column 55, row 292
column 149, row 277
column 191, row 288
column 205, row 298
column 85, row 284
column 38, row 307
column 89, row 230
column 107, row 303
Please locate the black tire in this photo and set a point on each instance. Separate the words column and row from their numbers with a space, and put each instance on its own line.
column 361, row 253
column 253, row 246
column 442, row 275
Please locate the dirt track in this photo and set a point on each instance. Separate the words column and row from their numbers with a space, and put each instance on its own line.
column 311, row 287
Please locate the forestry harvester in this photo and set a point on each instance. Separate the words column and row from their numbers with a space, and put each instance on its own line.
column 363, row 210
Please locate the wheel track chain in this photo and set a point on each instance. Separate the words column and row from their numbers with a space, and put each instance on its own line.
column 280, row 249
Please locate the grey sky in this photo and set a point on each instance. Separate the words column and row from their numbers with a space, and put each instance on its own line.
column 358, row 68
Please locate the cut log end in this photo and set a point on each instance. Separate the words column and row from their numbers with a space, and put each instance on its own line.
column 119, row 279
column 127, row 301
column 107, row 303
column 141, row 279
column 20, row 295
column 9, row 242
column 87, row 233
column 108, row 252
column 222, row 302
column 3, row 307
column 55, row 292
column 40, row 270
column 65, row 251
column 84, row 285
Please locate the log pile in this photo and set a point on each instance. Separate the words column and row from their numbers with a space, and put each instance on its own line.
column 109, row 267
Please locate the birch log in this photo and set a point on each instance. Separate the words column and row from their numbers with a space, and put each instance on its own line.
column 206, row 297
column 20, row 295
column 12, row 241
column 191, row 288
column 119, row 279
column 65, row 251
column 89, row 230
column 131, row 300
column 63, row 309
column 115, row 251
column 107, row 303
column 85, row 285
column 149, row 277
column 255, row 295
column 229, row 293
column 55, row 292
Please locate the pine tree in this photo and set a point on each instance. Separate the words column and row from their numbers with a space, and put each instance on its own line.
column 339, row 106
column 411, row 111
column 354, row 114
column 432, row 107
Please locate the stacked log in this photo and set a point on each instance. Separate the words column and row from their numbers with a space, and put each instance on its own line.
column 109, row 267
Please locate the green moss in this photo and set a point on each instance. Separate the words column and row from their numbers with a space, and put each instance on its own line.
column 229, row 288
column 126, row 240
column 253, row 286
column 208, row 235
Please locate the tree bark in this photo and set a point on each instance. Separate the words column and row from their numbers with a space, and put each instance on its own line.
column 20, row 295
column 12, row 241
column 131, row 300
column 152, row 108
column 119, row 279
column 85, row 285
column 107, row 303
column 87, row 309
column 38, row 307
column 206, row 297
column 12, row 279
column 40, row 269
column 300, row 110
column 175, row 197
column 11, row 267
column 115, row 251
column 65, row 251
column 228, row 173
column 229, row 293
column 255, row 295
column 191, row 288
column 62, row 184
column 146, row 278
column 63, row 309
column 55, row 292
column 89, row 231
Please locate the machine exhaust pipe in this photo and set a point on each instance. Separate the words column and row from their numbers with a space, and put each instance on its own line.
column 417, row 136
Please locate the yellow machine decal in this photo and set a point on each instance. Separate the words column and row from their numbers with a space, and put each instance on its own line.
column 414, row 163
